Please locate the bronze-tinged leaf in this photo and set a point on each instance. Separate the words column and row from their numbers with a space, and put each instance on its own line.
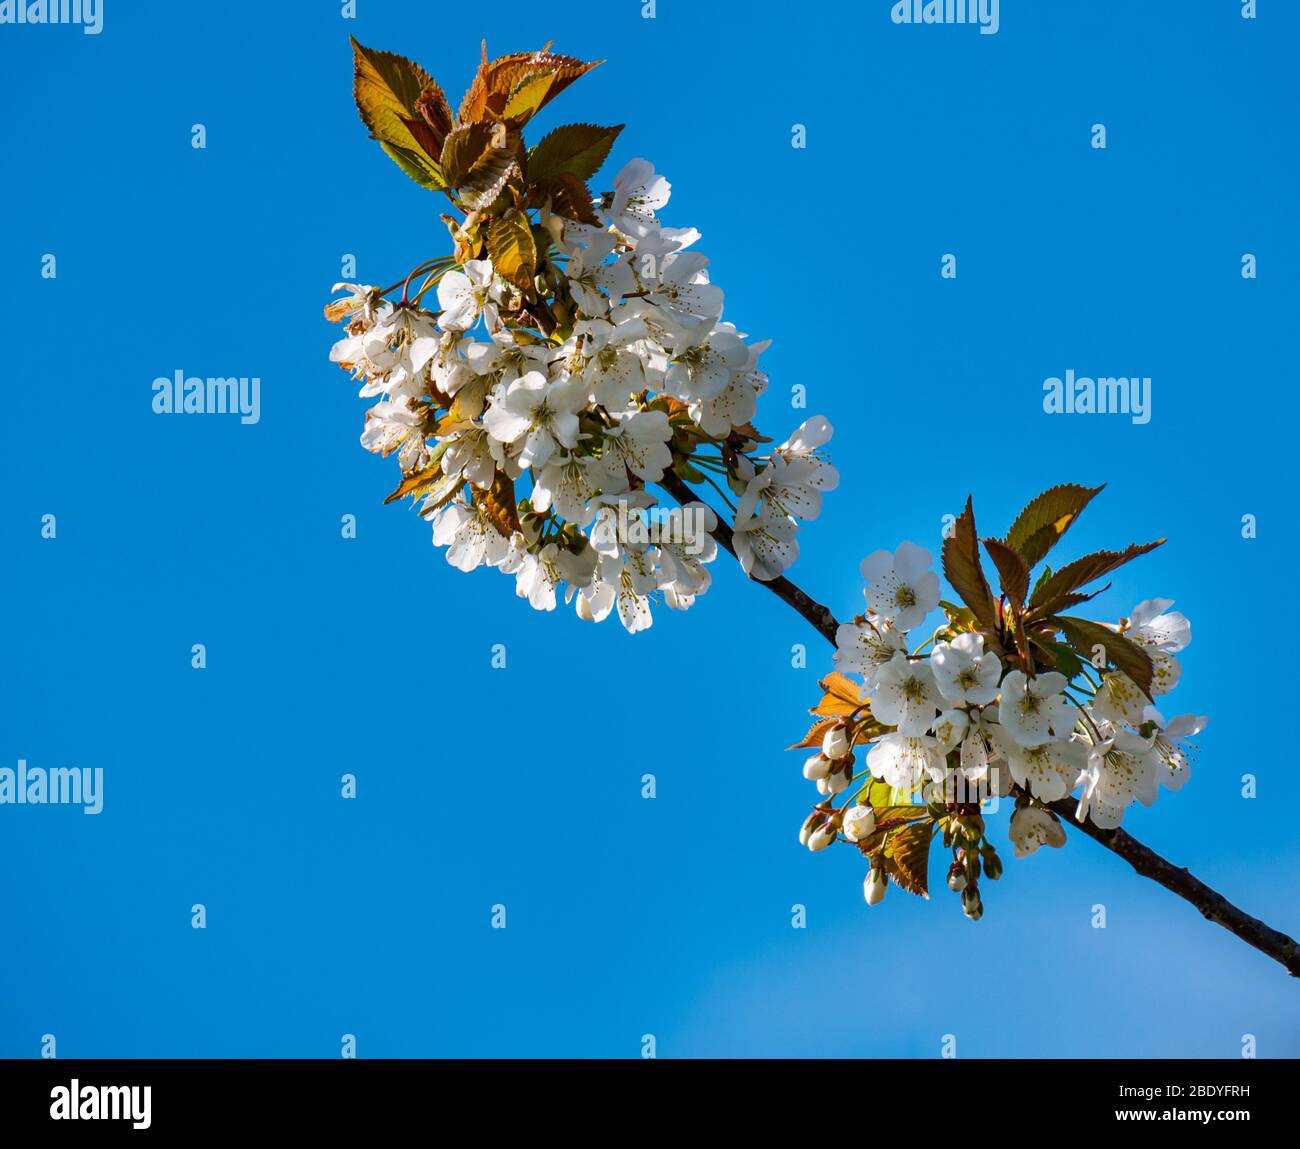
column 569, row 197
column 512, row 250
column 961, row 566
column 387, row 88
column 840, row 697
column 1049, row 596
column 1013, row 574
column 1047, row 517
column 890, row 818
column 498, row 168
column 907, row 858
column 1065, row 601
column 419, row 482
column 1122, row 653
column 816, row 733
column 577, row 150
column 463, row 149
column 498, row 504
column 499, row 80
column 749, row 431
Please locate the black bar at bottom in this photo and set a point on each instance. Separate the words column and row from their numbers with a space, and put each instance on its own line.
column 374, row 1096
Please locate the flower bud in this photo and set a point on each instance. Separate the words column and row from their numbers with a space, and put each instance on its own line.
column 837, row 782
column 836, row 742
column 815, row 819
column 859, row 823
column 956, row 877
column 873, row 889
column 818, row 766
column 992, row 865
column 971, row 905
column 822, row 837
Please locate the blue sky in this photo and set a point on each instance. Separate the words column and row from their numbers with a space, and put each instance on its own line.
column 522, row 786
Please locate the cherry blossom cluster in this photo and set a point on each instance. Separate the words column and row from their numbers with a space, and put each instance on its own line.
column 959, row 720
column 636, row 376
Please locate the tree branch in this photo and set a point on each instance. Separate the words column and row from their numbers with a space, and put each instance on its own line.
column 820, row 617
column 1212, row 904
column 1177, row 879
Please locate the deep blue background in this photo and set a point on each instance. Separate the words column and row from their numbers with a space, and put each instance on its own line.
column 522, row 786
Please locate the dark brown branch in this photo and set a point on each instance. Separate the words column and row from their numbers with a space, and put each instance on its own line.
column 1213, row 905
column 820, row 617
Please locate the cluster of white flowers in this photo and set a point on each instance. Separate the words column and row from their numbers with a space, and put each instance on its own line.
column 588, row 408
column 958, row 720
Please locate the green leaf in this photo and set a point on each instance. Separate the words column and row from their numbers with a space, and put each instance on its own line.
column 1063, row 657
column 414, row 164
column 527, row 97
column 961, row 566
column 512, row 250
column 1122, row 653
column 388, row 90
column 1012, row 571
column 959, row 617
column 575, row 149
column 1050, row 596
column 1041, row 524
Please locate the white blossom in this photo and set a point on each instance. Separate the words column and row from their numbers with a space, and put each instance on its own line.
column 1121, row 767
column 469, row 536
column 905, row 695
column 1033, row 711
column 538, row 413
column 901, row 589
column 862, row 648
column 1032, row 827
column 964, row 673
column 638, row 194
column 904, row 761
column 466, row 295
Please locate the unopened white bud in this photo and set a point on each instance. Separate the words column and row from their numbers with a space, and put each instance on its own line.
column 836, row 742
column 822, row 837
column 971, row 904
column 810, row 823
column 873, row 889
column 837, row 782
column 818, row 766
column 859, row 823
column 957, row 877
